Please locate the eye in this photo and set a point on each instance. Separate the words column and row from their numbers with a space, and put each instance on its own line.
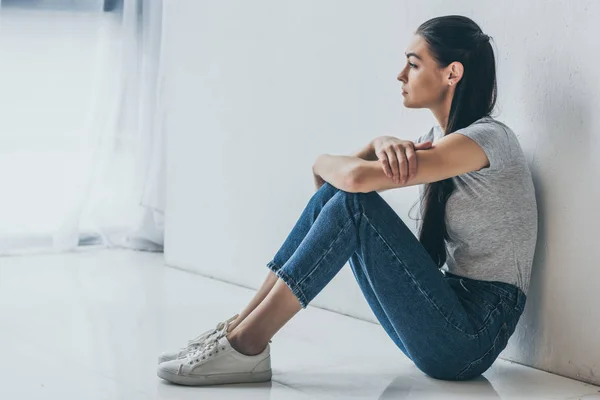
column 412, row 65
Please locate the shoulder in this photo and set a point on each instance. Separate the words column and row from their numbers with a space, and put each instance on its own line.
column 494, row 137
column 492, row 125
column 489, row 122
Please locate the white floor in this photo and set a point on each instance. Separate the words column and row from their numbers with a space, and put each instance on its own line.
column 89, row 325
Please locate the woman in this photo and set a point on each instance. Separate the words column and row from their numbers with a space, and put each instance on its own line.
column 479, row 218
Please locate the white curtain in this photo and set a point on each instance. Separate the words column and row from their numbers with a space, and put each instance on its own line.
column 113, row 176
column 122, row 195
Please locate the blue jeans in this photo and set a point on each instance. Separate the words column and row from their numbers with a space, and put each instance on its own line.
column 451, row 327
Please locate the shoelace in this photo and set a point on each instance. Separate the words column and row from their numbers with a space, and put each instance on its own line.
column 210, row 344
column 202, row 337
column 197, row 341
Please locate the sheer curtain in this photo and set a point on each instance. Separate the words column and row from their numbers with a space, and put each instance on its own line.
column 99, row 181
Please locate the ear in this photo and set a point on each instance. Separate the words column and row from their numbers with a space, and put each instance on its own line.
column 454, row 73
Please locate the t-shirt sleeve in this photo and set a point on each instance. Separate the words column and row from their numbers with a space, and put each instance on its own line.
column 422, row 138
column 493, row 139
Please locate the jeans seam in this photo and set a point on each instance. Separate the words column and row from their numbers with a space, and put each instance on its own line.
column 487, row 283
column 328, row 250
column 517, row 306
column 487, row 303
column 503, row 327
column 473, row 335
column 506, row 292
column 514, row 303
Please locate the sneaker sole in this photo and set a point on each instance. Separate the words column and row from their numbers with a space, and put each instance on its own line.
column 216, row 379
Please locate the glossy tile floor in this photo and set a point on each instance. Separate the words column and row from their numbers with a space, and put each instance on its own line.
column 90, row 325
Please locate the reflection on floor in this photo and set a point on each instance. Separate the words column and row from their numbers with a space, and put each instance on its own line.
column 90, row 324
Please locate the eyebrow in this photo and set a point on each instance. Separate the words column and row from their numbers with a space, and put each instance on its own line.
column 413, row 54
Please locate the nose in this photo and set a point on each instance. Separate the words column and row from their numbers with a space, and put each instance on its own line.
column 401, row 77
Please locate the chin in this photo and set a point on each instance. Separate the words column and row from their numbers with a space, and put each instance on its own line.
column 410, row 104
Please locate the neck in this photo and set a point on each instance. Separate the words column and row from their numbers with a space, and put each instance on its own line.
column 442, row 111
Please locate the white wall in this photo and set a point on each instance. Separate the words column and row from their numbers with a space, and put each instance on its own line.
column 256, row 90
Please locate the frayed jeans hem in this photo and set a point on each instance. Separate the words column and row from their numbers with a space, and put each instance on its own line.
column 289, row 282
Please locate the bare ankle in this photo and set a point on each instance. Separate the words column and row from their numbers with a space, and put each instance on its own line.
column 233, row 325
column 243, row 345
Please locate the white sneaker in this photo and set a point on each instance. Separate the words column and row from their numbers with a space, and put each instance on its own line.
column 217, row 363
column 196, row 343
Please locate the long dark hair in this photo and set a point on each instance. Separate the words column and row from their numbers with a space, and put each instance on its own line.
column 456, row 38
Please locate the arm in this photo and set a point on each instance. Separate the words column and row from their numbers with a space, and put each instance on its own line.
column 367, row 153
column 452, row 155
column 337, row 170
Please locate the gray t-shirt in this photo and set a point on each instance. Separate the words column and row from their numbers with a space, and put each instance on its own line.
column 491, row 216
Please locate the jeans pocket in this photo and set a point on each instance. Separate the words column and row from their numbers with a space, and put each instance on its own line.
column 478, row 292
column 499, row 330
column 485, row 361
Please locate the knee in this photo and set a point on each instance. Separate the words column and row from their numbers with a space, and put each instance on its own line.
column 356, row 203
column 357, row 197
column 325, row 186
column 362, row 201
column 325, row 193
column 347, row 200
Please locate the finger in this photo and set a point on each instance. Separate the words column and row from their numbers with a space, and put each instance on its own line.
column 402, row 167
column 394, row 165
column 385, row 165
column 411, row 158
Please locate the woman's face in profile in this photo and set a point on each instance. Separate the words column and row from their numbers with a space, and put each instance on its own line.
column 424, row 83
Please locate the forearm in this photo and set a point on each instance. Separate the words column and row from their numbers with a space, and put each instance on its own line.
column 367, row 152
column 339, row 171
